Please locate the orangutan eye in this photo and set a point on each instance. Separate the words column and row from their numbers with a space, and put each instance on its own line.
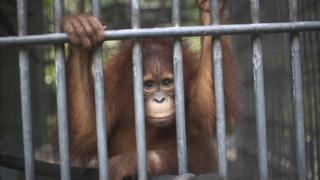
column 167, row 82
column 149, row 84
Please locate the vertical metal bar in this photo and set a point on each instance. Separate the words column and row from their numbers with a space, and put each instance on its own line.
column 99, row 102
column 259, row 95
column 61, row 97
column 297, row 95
column 179, row 93
column 138, row 93
column 219, row 94
column 25, row 93
column 317, row 86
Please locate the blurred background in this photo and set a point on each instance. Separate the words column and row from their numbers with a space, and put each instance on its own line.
column 242, row 148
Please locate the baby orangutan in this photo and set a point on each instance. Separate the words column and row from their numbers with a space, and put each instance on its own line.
column 86, row 31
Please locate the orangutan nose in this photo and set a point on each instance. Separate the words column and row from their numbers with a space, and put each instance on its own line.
column 159, row 98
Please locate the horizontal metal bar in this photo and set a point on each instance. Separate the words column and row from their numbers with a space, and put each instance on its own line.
column 171, row 31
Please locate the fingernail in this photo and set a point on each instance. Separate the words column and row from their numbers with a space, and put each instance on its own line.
column 104, row 27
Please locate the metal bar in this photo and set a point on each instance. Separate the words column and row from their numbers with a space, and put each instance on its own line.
column 99, row 102
column 55, row 38
column 61, row 97
column 138, row 93
column 179, row 93
column 298, row 95
column 26, row 112
column 100, row 113
column 25, row 93
column 259, row 95
column 219, row 94
column 317, row 86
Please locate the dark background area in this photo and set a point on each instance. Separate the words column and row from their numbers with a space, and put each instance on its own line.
column 241, row 136
column 278, row 91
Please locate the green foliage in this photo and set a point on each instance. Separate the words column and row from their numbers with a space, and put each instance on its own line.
column 194, row 43
column 48, row 15
column 71, row 6
column 49, row 68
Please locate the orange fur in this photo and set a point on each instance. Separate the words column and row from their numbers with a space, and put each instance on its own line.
column 161, row 141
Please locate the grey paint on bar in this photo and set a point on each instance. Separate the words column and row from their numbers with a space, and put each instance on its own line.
column 298, row 96
column 98, row 79
column 138, row 94
column 55, row 38
column 139, row 111
column 219, row 94
column 179, row 93
column 100, row 113
column 25, row 93
column 261, row 127
column 180, row 108
column 62, row 114
column 260, row 109
column 61, row 97
column 298, row 108
column 26, row 113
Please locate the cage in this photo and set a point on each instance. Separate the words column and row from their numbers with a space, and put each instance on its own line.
column 277, row 49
